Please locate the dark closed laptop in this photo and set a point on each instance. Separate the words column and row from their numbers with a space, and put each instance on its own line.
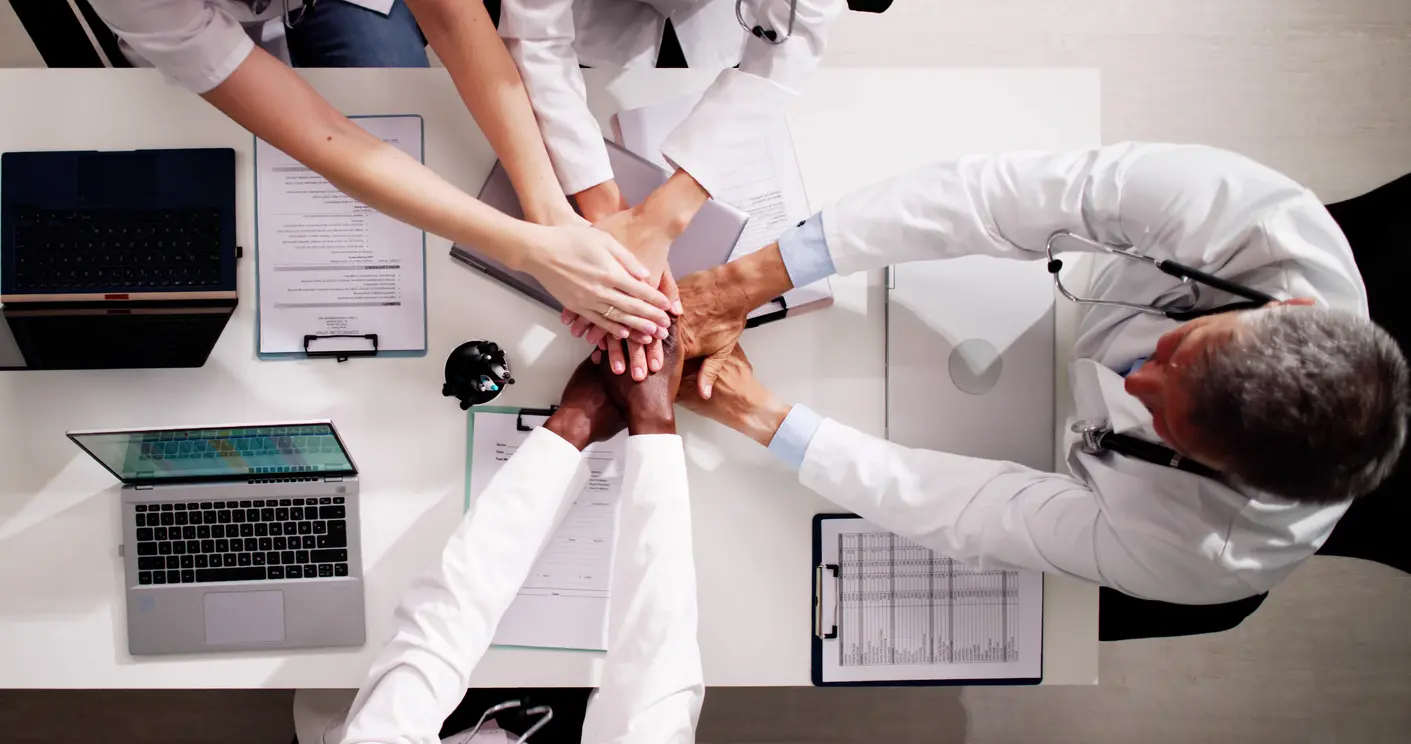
column 115, row 259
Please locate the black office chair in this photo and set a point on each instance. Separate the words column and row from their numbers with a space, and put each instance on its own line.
column 62, row 36
column 1378, row 226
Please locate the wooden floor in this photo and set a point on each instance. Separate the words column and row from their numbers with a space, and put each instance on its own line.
column 1320, row 89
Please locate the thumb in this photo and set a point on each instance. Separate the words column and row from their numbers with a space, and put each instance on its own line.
column 710, row 370
column 673, row 294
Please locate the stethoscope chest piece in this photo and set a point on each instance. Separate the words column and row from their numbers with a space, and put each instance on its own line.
column 476, row 372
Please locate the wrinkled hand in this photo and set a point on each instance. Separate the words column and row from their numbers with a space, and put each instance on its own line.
column 649, row 404
column 586, row 413
column 718, row 308
column 740, row 401
column 588, row 272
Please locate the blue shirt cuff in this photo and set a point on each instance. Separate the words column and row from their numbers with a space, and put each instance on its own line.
column 805, row 252
column 791, row 441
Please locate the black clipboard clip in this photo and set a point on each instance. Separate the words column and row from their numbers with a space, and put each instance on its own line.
column 344, row 354
column 818, row 600
column 770, row 317
column 519, row 420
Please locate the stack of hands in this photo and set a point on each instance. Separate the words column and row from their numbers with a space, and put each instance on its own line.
column 632, row 380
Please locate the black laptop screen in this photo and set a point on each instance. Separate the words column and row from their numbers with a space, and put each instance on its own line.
column 198, row 454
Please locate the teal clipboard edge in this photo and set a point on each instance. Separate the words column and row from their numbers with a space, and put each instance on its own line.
column 816, row 643
column 425, row 300
column 469, row 457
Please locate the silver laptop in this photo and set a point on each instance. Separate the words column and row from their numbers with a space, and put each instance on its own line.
column 705, row 243
column 236, row 537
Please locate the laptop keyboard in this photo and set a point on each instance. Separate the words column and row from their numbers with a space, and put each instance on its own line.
column 117, row 250
column 258, row 540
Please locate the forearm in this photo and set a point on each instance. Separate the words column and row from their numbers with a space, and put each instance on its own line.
column 488, row 81
column 652, row 683
column 539, row 36
column 600, row 201
column 277, row 105
column 673, row 205
column 448, row 617
column 1005, row 206
column 758, row 278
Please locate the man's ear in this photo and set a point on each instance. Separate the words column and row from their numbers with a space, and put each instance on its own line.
column 1294, row 302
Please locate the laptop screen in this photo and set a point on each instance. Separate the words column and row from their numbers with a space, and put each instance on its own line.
column 212, row 454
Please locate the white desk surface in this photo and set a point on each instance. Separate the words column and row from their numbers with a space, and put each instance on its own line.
column 61, row 596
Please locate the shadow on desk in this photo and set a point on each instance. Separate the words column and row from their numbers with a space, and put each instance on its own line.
column 64, row 565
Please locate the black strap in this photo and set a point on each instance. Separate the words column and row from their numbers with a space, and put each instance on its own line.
column 1185, row 315
column 1153, row 453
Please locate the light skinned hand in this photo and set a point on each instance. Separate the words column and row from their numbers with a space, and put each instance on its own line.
column 589, row 271
column 651, row 243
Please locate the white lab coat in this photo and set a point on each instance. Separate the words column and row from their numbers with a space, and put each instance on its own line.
column 652, row 684
column 197, row 44
column 550, row 38
column 1147, row 530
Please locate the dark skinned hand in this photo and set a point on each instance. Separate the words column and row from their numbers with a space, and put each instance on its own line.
column 586, row 414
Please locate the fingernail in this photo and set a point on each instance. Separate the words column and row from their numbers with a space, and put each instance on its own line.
column 617, row 367
column 638, row 374
column 677, row 307
column 706, row 393
column 622, row 333
column 655, row 365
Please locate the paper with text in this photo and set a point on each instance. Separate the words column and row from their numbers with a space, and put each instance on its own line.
column 332, row 266
column 905, row 613
column 767, row 184
column 564, row 602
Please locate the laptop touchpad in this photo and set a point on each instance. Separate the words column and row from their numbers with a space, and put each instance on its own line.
column 244, row 617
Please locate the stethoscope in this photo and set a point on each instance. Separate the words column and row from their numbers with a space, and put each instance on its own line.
column 306, row 9
column 769, row 36
column 1253, row 298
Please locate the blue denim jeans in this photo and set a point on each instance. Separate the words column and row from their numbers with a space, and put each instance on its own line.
column 340, row 34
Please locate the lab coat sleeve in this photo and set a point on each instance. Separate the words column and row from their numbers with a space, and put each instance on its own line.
column 195, row 44
column 744, row 103
column 446, row 620
column 652, row 685
column 997, row 515
column 996, row 205
column 1200, row 206
column 539, row 36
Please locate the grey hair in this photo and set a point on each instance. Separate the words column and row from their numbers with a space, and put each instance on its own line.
column 1306, row 403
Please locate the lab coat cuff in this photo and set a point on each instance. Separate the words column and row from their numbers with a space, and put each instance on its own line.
column 790, row 443
column 844, row 261
column 655, row 448
column 804, row 249
column 587, row 170
column 551, row 456
column 722, row 131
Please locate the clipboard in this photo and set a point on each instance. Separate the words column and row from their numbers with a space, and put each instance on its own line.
column 470, row 433
column 575, row 620
column 343, row 346
column 827, row 618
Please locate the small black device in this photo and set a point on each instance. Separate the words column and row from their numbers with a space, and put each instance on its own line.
column 476, row 372
column 112, row 260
